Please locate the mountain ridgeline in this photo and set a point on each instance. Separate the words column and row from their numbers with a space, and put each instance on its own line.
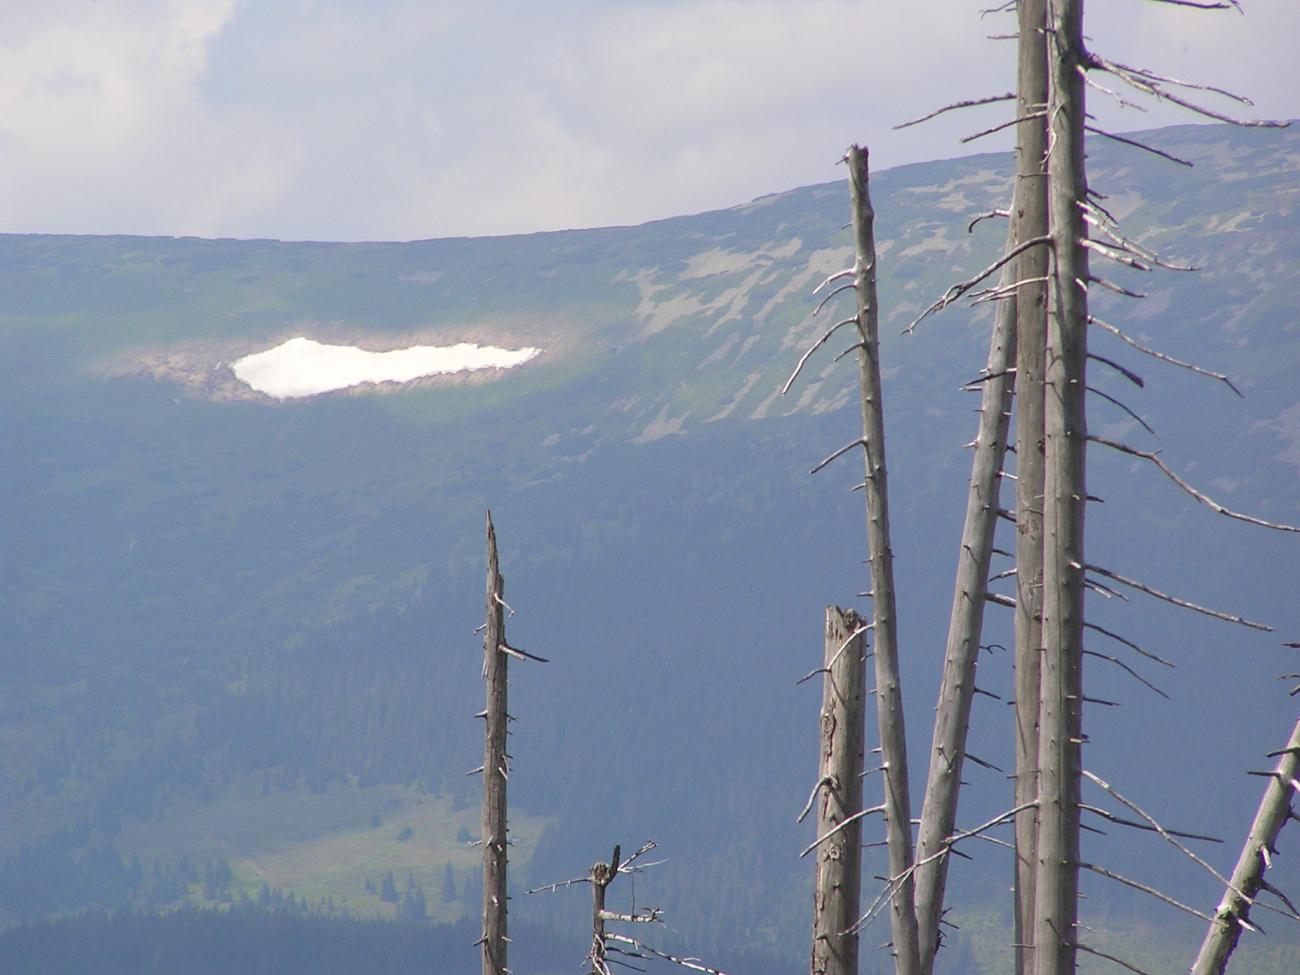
column 238, row 630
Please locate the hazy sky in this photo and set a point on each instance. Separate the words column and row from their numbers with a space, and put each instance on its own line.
column 402, row 119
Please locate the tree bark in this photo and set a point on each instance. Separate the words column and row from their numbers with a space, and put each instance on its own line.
column 495, row 672
column 966, row 624
column 601, row 875
column 839, row 775
column 889, row 701
column 1248, row 877
column 1064, row 498
column 1029, row 212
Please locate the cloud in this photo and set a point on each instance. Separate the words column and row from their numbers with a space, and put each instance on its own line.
column 403, row 119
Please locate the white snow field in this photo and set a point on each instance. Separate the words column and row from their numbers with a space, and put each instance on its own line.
column 303, row 367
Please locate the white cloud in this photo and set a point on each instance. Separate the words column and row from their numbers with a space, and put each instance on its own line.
column 303, row 367
column 402, row 119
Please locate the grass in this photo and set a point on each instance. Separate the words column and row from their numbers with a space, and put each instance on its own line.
column 324, row 845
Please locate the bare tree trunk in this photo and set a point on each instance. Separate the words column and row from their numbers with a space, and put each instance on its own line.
column 601, row 875
column 1064, row 498
column 1248, row 877
column 889, row 700
column 495, row 672
column 952, row 717
column 839, row 775
column 1029, row 213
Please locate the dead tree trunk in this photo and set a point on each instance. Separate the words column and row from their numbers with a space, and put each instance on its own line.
column 889, row 700
column 601, row 875
column 839, row 801
column 1064, row 498
column 1256, row 857
column 966, row 624
column 1030, row 215
column 495, row 768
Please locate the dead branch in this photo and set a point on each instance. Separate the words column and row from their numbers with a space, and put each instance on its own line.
column 521, row 654
column 970, row 227
column 1101, row 954
column 1137, row 145
column 1152, row 84
column 562, row 883
column 812, row 796
column 838, row 291
column 815, row 346
column 1203, row 498
column 1118, row 256
column 1128, row 643
column 1101, row 218
column 1119, row 99
column 1120, row 821
column 1143, row 887
column 1008, row 97
column 1005, row 125
column 1118, row 662
column 1164, row 358
column 1158, row 828
column 1128, row 374
column 1212, row 5
column 860, row 442
column 1111, row 399
column 1112, row 286
column 846, row 273
column 845, row 822
column 1132, row 584
column 957, row 290
column 1005, row 291
column 691, row 963
column 626, row 866
column 851, row 349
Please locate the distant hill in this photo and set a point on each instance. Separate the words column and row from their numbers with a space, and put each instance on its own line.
column 240, row 630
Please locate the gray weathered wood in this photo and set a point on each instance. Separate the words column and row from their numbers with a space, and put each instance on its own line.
column 1248, row 878
column 965, row 625
column 889, row 700
column 495, row 770
column 1029, row 212
column 1064, row 499
column 601, row 876
column 837, row 887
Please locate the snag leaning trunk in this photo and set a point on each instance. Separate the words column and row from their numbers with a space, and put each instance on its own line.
column 495, row 672
column 889, row 699
column 1064, row 498
column 1029, row 212
column 839, row 797
column 952, row 715
column 1248, row 877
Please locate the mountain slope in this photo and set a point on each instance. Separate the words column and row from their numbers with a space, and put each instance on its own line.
column 205, row 588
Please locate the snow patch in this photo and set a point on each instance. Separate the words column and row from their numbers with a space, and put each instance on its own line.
column 303, row 367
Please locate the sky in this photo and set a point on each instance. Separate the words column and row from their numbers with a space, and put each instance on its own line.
column 413, row 119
